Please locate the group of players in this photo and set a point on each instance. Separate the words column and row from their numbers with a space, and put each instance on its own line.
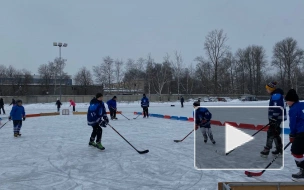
column 276, row 116
column 97, row 118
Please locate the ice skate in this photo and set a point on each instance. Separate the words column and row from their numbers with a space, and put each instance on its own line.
column 265, row 153
column 205, row 141
column 277, row 153
column 213, row 141
column 99, row 146
column 92, row 143
column 16, row 135
column 298, row 176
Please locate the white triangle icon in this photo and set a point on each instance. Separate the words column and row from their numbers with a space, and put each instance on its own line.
column 235, row 138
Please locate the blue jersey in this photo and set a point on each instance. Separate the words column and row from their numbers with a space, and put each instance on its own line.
column 96, row 112
column 277, row 99
column 17, row 112
column 202, row 117
column 111, row 104
column 296, row 118
column 145, row 102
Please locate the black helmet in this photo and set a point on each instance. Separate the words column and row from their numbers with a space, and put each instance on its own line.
column 196, row 103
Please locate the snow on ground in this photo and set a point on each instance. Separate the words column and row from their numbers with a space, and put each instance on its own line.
column 53, row 152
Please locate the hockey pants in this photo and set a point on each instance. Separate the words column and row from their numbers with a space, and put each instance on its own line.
column 207, row 133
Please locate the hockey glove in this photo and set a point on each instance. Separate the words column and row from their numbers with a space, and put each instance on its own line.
column 106, row 119
column 23, row 118
column 10, row 118
column 196, row 127
column 291, row 138
column 103, row 124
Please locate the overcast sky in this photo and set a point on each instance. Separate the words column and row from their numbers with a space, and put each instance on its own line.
column 126, row 29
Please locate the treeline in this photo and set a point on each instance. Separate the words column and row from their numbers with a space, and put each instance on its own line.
column 218, row 71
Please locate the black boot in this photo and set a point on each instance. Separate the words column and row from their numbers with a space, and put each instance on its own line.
column 298, row 176
column 265, row 153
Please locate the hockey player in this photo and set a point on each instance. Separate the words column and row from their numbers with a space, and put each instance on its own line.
column 145, row 105
column 13, row 102
column 296, row 136
column 112, row 105
column 97, row 118
column 2, row 105
column 72, row 103
column 58, row 103
column 275, row 116
column 202, row 120
column 182, row 101
column 17, row 115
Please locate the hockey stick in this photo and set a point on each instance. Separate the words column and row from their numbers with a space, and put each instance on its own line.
column 184, row 137
column 140, row 152
column 124, row 116
column 251, row 135
column 4, row 124
column 255, row 174
column 121, row 114
column 136, row 117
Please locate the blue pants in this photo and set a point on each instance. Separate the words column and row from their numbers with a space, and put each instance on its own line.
column 17, row 126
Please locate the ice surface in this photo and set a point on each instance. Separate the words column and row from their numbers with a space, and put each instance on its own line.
column 53, row 152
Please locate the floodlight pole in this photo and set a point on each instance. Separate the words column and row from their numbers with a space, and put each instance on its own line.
column 59, row 44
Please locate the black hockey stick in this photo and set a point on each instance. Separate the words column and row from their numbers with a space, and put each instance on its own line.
column 136, row 117
column 255, row 174
column 251, row 135
column 140, row 152
column 124, row 116
column 184, row 137
column 4, row 124
column 121, row 114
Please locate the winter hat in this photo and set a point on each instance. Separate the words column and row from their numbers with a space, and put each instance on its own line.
column 196, row 103
column 114, row 97
column 19, row 101
column 98, row 95
column 271, row 86
column 292, row 96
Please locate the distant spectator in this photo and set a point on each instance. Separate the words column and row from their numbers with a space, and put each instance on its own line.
column 72, row 103
column 13, row 102
column 182, row 101
column 58, row 103
column 2, row 106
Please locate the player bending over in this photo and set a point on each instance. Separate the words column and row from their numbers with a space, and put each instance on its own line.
column 202, row 120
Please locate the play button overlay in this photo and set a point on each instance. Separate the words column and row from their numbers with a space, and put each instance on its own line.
column 235, row 138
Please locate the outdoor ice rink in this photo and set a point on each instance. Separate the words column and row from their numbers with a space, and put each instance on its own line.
column 53, row 152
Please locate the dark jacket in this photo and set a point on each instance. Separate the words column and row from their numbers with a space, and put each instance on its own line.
column 96, row 112
column 144, row 102
column 17, row 112
column 58, row 103
column 296, row 118
column 277, row 99
column 182, row 99
column 202, row 117
column 13, row 102
column 112, row 104
column 1, row 102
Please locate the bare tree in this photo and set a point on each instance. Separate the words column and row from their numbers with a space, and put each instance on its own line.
column 187, row 80
column 204, row 74
column 162, row 74
column 149, row 72
column 287, row 56
column 119, row 71
column 177, row 69
column 83, row 78
column 46, row 74
column 104, row 73
column 216, row 48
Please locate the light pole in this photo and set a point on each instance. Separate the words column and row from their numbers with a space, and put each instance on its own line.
column 59, row 44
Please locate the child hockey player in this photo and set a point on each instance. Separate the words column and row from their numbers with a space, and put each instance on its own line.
column 202, row 119
column 72, row 103
column 17, row 115
column 296, row 136
column 112, row 107
column 145, row 105
column 275, row 116
column 97, row 118
column 58, row 103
